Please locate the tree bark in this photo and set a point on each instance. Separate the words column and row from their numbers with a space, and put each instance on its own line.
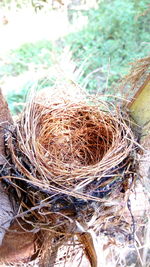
column 16, row 244
column 6, row 210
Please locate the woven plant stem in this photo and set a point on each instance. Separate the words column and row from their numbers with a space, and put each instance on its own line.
column 89, row 248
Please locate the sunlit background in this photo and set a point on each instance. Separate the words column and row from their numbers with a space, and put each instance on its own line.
column 92, row 42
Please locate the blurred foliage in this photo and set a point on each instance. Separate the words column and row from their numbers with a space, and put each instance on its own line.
column 16, row 100
column 15, row 3
column 28, row 55
column 37, row 4
column 116, row 33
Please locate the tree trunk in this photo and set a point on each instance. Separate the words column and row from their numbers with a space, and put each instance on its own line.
column 6, row 210
column 15, row 243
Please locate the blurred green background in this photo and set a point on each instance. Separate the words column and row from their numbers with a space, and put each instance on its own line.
column 93, row 42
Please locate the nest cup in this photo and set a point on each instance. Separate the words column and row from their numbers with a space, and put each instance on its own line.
column 70, row 143
column 71, row 140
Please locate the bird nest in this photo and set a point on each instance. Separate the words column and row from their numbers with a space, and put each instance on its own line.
column 69, row 158
column 70, row 145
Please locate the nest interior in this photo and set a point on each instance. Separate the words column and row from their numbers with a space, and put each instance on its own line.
column 72, row 138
